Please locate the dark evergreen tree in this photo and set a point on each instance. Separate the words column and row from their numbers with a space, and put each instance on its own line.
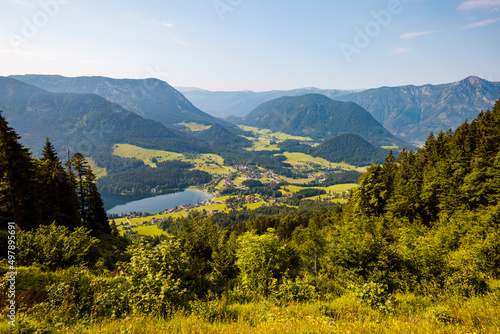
column 97, row 218
column 57, row 195
column 91, row 205
column 17, row 182
column 78, row 166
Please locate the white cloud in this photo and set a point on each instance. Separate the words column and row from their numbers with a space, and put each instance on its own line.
column 409, row 35
column 480, row 4
column 481, row 23
column 399, row 51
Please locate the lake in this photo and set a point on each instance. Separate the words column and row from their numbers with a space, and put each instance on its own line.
column 118, row 204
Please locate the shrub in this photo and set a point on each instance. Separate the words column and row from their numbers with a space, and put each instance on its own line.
column 53, row 246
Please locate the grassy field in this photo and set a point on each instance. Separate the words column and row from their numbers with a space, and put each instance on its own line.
column 208, row 158
column 132, row 151
column 215, row 169
column 195, row 126
column 296, row 181
column 345, row 314
column 150, row 230
column 98, row 171
column 301, row 159
column 262, row 145
column 253, row 206
column 269, row 133
column 211, row 163
column 338, row 188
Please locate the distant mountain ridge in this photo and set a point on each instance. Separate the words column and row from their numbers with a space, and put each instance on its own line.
column 319, row 117
column 412, row 112
column 149, row 98
column 240, row 103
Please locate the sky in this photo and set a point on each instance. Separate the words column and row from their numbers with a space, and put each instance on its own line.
column 254, row 45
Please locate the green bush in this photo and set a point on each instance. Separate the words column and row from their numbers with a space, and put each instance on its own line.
column 376, row 295
column 52, row 247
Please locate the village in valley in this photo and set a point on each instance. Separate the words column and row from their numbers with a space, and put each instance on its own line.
column 238, row 191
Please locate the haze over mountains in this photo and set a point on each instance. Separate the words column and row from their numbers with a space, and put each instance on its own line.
column 239, row 104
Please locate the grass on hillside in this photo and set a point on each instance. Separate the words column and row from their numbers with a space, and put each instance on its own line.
column 295, row 181
column 262, row 145
column 192, row 126
column 150, row 230
column 301, row 159
column 132, row 151
column 98, row 171
column 211, row 163
column 269, row 133
column 338, row 188
column 215, row 169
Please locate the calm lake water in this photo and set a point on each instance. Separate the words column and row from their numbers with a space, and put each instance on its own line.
column 153, row 204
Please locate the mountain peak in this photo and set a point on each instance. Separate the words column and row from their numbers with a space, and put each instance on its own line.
column 474, row 81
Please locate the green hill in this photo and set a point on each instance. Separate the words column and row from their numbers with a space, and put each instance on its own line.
column 350, row 148
column 319, row 117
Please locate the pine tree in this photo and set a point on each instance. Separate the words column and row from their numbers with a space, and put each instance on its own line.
column 17, row 181
column 92, row 213
column 57, row 195
column 97, row 216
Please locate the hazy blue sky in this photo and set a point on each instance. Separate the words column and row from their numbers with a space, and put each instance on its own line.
column 254, row 44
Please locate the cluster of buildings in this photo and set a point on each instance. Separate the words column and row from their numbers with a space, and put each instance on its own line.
column 230, row 184
column 187, row 207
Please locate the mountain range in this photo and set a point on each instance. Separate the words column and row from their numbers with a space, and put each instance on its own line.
column 82, row 122
column 412, row 112
column 150, row 98
column 409, row 112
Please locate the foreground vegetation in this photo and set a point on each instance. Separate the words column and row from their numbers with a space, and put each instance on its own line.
column 342, row 315
column 416, row 249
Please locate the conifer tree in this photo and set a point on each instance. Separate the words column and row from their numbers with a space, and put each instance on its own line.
column 17, row 181
column 57, row 195
column 92, row 213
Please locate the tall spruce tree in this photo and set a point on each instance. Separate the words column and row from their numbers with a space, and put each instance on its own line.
column 17, row 181
column 57, row 195
column 91, row 206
